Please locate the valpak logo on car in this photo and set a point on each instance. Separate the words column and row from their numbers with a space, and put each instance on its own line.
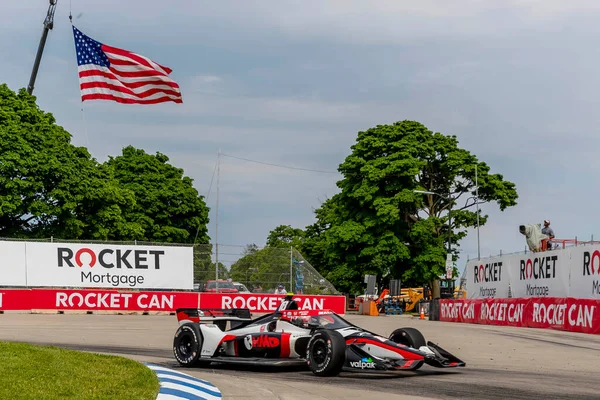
column 366, row 362
column 109, row 259
column 487, row 273
column 538, row 269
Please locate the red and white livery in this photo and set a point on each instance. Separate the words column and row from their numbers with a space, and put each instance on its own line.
column 319, row 339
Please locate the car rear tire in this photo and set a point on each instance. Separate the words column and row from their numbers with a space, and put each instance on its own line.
column 187, row 345
column 410, row 337
column 326, row 353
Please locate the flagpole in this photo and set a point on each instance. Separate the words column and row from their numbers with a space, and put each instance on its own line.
column 87, row 139
column 217, row 221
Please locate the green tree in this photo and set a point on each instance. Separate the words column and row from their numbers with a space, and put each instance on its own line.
column 378, row 225
column 48, row 187
column 168, row 208
column 267, row 267
column 286, row 236
column 204, row 267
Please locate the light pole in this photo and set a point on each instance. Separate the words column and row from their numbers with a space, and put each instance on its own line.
column 477, row 202
column 449, row 214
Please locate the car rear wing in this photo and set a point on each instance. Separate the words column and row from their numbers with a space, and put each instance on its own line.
column 218, row 316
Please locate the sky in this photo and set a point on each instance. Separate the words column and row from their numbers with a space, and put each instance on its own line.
column 292, row 83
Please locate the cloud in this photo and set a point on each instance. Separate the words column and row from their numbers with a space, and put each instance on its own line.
column 207, row 79
column 292, row 83
column 206, row 84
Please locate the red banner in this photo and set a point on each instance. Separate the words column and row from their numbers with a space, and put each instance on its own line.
column 561, row 313
column 120, row 300
column 265, row 303
column 15, row 299
column 111, row 300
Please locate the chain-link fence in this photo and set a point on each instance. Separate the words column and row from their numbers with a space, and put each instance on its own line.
column 259, row 270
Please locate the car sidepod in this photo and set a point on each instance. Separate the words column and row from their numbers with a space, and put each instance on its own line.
column 263, row 345
column 366, row 352
column 358, row 359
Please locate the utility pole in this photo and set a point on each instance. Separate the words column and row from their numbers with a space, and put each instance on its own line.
column 449, row 222
column 217, row 221
column 477, row 202
column 48, row 25
column 291, row 269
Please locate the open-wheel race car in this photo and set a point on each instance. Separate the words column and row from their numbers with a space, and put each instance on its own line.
column 319, row 339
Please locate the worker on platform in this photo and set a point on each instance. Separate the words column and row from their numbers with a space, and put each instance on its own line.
column 547, row 230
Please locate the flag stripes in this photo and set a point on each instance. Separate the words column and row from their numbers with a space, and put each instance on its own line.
column 110, row 73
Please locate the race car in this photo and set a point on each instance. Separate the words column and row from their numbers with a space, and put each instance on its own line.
column 319, row 339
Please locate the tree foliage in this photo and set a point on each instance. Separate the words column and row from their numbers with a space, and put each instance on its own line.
column 205, row 267
column 377, row 224
column 168, row 207
column 266, row 267
column 49, row 187
column 286, row 236
column 207, row 272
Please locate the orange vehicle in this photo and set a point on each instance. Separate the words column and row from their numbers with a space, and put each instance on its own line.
column 409, row 298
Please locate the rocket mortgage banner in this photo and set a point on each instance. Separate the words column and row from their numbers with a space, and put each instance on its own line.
column 109, row 266
column 488, row 278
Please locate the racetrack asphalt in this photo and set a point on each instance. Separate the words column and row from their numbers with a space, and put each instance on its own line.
column 502, row 362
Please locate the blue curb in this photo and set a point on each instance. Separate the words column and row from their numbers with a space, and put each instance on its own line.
column 177, row 385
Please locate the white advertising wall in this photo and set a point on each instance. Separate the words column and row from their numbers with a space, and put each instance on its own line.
column 571, row 272
column 488, row 278
column 97, row 266
column 12, row 264
column 585, row 272
column 544, row 274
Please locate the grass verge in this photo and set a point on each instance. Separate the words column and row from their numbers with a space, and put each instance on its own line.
column 39, row 372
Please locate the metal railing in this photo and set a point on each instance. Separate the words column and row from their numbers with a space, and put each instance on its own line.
column 556, row 244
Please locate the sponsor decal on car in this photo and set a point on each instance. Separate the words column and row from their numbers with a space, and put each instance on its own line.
column 265, row 341
column 366, row 362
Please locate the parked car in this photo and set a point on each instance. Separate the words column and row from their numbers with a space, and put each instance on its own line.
column 224, row 287
column 241, row 287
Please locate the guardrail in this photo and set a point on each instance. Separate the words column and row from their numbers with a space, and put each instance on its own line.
column 558, row 313
column 127, row 301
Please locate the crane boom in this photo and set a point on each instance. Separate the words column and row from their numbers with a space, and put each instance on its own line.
column 48, row 25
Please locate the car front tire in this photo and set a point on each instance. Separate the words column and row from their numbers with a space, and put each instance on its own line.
column 410, row 337
column 326, row 353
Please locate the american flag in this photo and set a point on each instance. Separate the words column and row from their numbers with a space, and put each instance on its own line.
column 109, row 73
